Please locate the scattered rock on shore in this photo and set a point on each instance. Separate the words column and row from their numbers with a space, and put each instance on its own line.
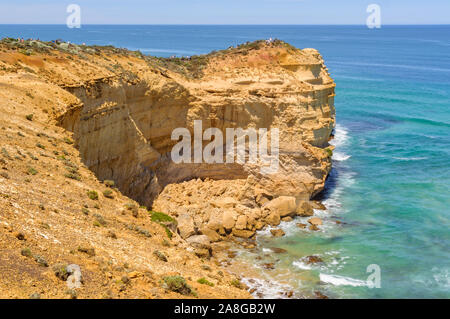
column 318, row 205
column 320, row 295
column 277, row 232
column 283, row 205
column 277, row 250
column 315, row 221
column 304, row 209
column 313, row 260
column 269, row 266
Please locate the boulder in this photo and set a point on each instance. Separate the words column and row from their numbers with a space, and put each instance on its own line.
column 300, row 225
column 186, row 227
column 259, row 225
column 215, row 219
column 241, row 222
column 277, row 232
column 225, row 202
column 262, row 197
column 318, row 205
column 277, row 250
column 229, row 219
column 283, row 205
column 316, row 221
column 304, row 209
column 313, row 260
column 75, row 278
column 201, row 245
column 273, row 219
column 320, row 295
column 243, row 233
column 269, row 265
column 212, row 234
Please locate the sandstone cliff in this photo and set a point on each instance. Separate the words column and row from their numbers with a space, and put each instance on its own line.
column 120, row 109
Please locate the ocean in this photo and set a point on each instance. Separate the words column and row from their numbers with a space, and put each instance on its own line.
column 390, row 184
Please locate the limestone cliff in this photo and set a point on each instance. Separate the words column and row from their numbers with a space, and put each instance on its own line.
column 122, row 122
column 121, row 108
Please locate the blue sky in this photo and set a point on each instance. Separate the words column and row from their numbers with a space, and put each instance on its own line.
column 226, row 11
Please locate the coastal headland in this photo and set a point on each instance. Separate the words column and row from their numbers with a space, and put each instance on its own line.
column 92, row 205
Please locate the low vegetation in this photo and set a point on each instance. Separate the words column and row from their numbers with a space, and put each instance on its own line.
column 92, row 195
column 177, row 284
column 205, row 281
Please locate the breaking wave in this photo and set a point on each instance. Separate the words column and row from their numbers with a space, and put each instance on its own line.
column 336, row 280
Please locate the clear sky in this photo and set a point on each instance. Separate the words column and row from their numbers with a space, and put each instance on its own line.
column 225, row 11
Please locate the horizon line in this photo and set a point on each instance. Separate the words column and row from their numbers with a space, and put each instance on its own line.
column 232, row 24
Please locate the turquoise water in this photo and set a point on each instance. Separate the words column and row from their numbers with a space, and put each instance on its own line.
column 390, row 183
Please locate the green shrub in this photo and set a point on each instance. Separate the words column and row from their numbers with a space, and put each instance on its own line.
column 133, row 208
column 99, row 220
column 31, row 171
column 96, row 223
column 109, row 183
column 32, row 156
column 177, row 284
column 168, row 232
column 329, row 152
column 60, row 271
column 74, row 176
column 236, row 283
column 40, row 146
column 142, row 231
column 68, row 140
column 29, row 117
column 108, row 193
column 26, row 252
column 163, row 219
column 92, row 195
column 160, row 255
column 40, row 260
column 204, row 281
column 160, row 217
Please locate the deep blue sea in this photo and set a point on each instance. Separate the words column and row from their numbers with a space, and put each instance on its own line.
column 390, row 185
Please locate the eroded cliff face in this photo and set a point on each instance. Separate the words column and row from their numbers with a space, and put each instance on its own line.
column 123, row 123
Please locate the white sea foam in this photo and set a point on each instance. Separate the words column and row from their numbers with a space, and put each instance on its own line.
column 442, row 277
column 410, row 158
column 340, row 157
column 336, row 280
column 340, row 136
column 302, row 265
column 360, row 78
